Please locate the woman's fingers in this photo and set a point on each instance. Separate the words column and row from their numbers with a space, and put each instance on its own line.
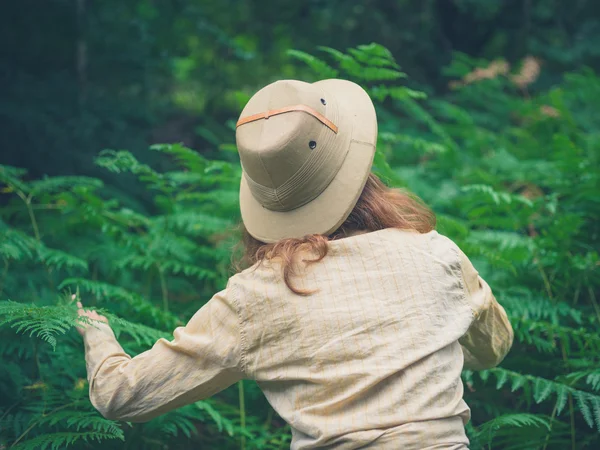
column 90, row 314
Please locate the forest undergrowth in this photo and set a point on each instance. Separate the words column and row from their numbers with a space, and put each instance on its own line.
column 513, row 175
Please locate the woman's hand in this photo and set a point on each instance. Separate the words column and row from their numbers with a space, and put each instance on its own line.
column 91, row 315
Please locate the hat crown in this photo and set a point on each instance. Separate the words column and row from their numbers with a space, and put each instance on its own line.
column 306, row 152
column 288, row 158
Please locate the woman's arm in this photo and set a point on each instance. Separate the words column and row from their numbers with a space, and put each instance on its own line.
column 490, row 336
column 203, row 358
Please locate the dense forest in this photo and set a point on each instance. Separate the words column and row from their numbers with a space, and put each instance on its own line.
column 119, row 183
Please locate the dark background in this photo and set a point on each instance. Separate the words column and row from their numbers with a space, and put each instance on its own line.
column 78, row 76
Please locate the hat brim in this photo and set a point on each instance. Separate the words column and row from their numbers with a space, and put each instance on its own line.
column 330, row 209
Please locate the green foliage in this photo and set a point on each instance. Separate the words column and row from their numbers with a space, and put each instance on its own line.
column 508, row 424
column 44, row 322
column 57, row 441
column 122, row 261
column 513, row 177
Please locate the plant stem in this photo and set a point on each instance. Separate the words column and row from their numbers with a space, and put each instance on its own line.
column 594, row 302
column 547, row 285
column 571, row 410
column 36, row 231
column 269, row 418
column 36, row 359
column 3, row 277
column 242, row 413
column 9, row 410
column 37, row 421
column 554, row 411
column 163, row 288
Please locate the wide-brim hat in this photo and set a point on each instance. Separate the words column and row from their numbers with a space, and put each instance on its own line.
column 306, row 151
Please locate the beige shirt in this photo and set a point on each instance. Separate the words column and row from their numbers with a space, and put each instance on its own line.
column 371, row 360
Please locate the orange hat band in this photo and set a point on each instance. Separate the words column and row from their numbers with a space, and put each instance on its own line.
column 274, row 112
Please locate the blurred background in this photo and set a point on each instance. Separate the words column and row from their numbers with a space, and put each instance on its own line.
column 78, row 76
column 488, row 110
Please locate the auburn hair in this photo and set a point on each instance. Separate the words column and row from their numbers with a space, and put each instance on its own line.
column 377, row 208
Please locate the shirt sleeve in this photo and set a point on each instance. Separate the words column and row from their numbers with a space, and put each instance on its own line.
column 490, row 335
column 204, row 358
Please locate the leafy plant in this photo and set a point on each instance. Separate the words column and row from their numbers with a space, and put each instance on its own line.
column 513, row 177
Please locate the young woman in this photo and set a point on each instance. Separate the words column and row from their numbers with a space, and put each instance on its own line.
column 355, row 317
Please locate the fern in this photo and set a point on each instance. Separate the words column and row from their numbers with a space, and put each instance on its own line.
column 541, row 390
column 15, row 245
column 78, row 420
column 44, row 322
column 58, row 441
column 105, row 291
column 192, row 160
column 223, row 424
column 11, row 177
column 59, row 184
column 593, row 379
column 314, row 63
column 194, row 223
column 512, row 179
column 497, row 197
column 490, row 428
column 142, row 334
column 59, row 259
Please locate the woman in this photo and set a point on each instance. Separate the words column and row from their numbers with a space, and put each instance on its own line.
column 355, row 318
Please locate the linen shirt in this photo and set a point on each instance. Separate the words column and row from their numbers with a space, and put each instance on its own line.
column 371, row 359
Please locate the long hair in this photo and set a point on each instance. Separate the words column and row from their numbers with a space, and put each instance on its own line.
column 377, row 208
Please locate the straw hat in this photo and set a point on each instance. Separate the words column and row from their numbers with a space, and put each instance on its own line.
column 306, row 152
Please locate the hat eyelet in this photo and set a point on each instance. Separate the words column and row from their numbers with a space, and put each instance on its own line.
column 312, row 145
column 323, row 101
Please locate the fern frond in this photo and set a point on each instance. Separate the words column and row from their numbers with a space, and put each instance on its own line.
column 12, row 178
column 106, row 291
column 222, row 200
column 378, row 74
column 593, row 379
column 15, row 245
column 44, row 322
column 513, row 421
column 123, row 161
column 487, row 193
column 145, row 262
column 194, row 223
column 51, row 185
column 99, row 289
column 142, row 334
column 222, row 422
column 546, row 335
column 542, row 389
column 412, row 143
column 382, row 92
column 13, row 347
column 374, row 55
column 81, row 420
column 413, row 109
column 317, row 65
column 58, row 441
column 186, row 157
column 59, row 259
column 538, row 308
